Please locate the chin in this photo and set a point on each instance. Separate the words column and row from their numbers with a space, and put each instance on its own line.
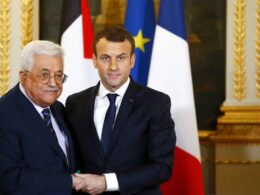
column 114, row 82
column 50, row 100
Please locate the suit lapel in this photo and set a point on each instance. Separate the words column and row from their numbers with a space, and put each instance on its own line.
column 124, row 110
column 87, row 117
column 35, row 121
column 63, row 128
column 93, row 130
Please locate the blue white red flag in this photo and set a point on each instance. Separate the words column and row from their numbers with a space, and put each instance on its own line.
column 170, row 73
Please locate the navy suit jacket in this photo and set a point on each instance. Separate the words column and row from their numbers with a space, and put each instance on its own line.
column 31, row 161
column 142, row 143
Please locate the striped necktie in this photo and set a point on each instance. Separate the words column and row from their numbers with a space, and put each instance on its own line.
column 47, row 120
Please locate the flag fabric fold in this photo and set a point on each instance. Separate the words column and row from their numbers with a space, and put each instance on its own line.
column 140, row 22
column 76, row 40
column 170, row 73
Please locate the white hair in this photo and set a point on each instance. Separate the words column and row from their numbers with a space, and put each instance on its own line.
column 39, row 47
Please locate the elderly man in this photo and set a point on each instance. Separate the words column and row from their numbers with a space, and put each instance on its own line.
column 36, row 150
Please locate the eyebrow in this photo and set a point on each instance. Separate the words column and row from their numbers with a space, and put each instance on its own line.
column 47, row 70
column 104, row 54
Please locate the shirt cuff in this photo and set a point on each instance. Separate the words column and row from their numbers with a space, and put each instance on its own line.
column 112, row 183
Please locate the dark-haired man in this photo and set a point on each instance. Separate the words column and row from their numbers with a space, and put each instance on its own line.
column 124, row 130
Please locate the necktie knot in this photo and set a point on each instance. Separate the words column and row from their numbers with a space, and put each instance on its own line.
column 46, row 115
column 46, row 112
column 47, row 120
column 112, row 97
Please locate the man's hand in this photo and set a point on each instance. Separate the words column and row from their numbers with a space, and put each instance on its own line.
column 90, row 183
column 75, row 180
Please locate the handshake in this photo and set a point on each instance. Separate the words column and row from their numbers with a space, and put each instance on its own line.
column 90, row 183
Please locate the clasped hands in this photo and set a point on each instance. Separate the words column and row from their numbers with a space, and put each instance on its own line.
column 90, row 183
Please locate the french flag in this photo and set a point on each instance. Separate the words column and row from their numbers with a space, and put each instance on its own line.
column 76, row 40
column 170, row 73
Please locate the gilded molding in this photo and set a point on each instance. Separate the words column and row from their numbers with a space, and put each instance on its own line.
column 239, row 49
column 4, row 45
column 240, row 115
column 257, row 48
column 228, row 138
column 204, row 135
column 26, row 21
column 239, row 108
column 239, row 124
column 243, row 162
column 231, row 162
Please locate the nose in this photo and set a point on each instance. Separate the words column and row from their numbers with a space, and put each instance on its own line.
column 52, row 81
column 113, row 65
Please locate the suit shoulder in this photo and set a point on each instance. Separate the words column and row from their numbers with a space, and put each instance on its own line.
column 80, row 94
column 155, row 94
column 7, row 99
column 58, row 105
column 8, row 107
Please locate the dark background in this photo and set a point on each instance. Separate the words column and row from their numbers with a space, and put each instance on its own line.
column 206, row 22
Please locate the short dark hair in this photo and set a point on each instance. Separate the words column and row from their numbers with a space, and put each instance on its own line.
column 114, row 34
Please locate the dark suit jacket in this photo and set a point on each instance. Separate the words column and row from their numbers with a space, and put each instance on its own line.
column 142, row 143
column 31, row 161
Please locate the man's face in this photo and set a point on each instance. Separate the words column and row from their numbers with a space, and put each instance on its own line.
column 43, row 93
column 114, row 62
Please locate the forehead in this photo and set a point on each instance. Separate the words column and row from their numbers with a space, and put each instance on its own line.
column 47, row 62
column 113, row 48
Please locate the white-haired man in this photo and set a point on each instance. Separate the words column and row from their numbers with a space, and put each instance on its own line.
column 36, row 150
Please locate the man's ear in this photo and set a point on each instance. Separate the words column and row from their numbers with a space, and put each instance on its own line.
column 132, row 60
column 94, row 58
column 23, row 76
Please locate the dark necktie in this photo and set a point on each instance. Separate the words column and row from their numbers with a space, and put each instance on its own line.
column 47, row 120
column 108, row 122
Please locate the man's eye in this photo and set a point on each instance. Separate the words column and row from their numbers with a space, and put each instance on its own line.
column 58, row 76
column 121, row 58
column 106, row 59
column 45, row 75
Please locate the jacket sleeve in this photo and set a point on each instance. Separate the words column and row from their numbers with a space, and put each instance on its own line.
column 161, row 144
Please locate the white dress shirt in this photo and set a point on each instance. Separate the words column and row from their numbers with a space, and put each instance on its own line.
column 61, row 138
column 101, row 106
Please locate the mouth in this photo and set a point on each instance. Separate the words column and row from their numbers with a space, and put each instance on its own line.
column 52, row 90
column 113, row 76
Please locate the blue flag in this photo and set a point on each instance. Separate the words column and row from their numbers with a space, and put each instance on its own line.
column 171, row 17
column 140, row 21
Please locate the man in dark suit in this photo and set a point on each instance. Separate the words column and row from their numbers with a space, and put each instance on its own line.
column 133, row 153
column 36, row 150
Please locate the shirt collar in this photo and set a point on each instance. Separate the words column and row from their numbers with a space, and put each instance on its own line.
column 121, row 91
